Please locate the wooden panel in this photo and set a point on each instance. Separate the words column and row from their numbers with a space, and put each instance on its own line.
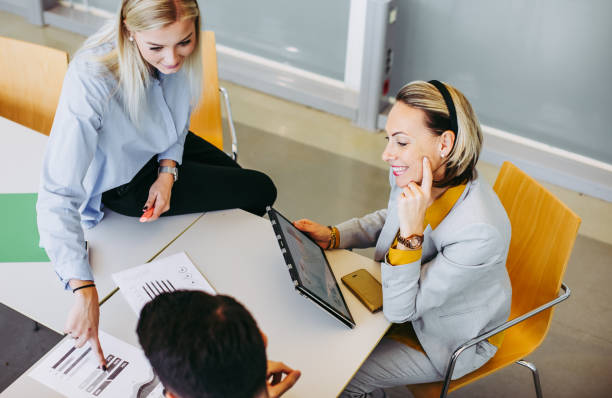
column 30, row 83
column 206, row 118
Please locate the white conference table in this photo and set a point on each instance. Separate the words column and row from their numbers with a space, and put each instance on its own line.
column 239, row 255
column 117, row 242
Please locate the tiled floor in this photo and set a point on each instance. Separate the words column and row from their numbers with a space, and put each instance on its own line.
column 328, row 170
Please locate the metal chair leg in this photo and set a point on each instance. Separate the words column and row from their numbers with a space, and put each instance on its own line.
column 230, row 122
column 536, row 376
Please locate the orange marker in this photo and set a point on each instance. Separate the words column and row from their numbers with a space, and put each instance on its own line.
column 146, row 215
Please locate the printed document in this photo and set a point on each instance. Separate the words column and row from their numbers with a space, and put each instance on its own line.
column 74, row 372
column 143, row 283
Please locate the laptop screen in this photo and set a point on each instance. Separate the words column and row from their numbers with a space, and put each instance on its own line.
column 312, row 268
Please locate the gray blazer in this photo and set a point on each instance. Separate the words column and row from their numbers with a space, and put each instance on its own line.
column 460, row 286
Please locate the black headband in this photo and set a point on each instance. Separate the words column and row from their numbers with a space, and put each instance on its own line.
column 449, row 104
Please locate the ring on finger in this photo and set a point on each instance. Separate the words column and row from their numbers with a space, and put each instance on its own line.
column 414, row 187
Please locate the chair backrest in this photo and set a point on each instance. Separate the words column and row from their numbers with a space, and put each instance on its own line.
column 31, row 78
column 206, row 118
column 543, row 235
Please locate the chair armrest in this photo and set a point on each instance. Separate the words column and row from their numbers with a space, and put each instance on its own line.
column 508, row 324
column 230, row 122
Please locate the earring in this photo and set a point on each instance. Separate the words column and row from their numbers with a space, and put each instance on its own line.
column 131, row 38
column 442, row 154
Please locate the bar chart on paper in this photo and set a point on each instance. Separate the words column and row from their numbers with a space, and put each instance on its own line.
column 74, row 372
column 143, row 283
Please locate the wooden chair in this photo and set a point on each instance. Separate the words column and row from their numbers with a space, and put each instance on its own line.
column 206, row 119
column 31, row 80
column 543, row 235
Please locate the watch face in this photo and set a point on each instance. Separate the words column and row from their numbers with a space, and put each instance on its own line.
column 415, row 242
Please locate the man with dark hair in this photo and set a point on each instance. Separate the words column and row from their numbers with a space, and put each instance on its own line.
column 209, row 346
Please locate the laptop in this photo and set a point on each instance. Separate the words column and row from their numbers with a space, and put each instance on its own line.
column 309, row 268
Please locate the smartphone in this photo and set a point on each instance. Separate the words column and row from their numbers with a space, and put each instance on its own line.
column 367, row 289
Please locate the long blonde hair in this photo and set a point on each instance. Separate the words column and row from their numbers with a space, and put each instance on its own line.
column 462, row 159
column 125, row 62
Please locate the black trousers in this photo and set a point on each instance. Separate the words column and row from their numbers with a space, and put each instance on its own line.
column 208, row 180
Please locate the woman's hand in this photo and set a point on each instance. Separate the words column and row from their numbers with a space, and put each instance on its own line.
column 413, row 203
column 159, row 196
column 276, row 384
column 83, row 319
column 319, row 233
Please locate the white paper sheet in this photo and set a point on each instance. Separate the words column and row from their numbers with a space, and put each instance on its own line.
column 74, row 372
column 141, row 284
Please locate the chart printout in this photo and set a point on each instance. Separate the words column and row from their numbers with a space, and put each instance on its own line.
column 74, row 372
column 143, row 283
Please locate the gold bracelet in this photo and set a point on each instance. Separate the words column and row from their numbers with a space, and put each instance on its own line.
column 332, row 238
column 337, row 236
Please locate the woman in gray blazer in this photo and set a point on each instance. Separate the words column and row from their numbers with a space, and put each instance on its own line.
column 442, row 241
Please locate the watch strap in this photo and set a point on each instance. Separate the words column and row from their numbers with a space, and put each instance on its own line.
column 168, row 169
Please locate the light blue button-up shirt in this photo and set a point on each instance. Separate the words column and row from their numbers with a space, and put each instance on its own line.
column 94, row 147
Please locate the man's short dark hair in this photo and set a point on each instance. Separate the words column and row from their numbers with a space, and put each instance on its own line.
column 203, row 346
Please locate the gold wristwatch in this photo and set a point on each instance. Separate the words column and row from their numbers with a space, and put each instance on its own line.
column 413, row 242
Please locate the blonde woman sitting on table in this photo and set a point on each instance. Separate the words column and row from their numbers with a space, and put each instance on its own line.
column 120, row 140
column 442, row 241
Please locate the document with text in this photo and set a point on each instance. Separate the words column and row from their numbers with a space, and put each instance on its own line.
column 143, row 283
column 74, row 372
